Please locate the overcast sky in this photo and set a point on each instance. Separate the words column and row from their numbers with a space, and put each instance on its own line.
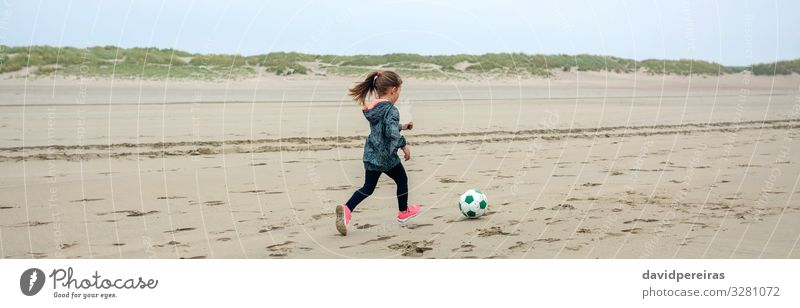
column 729, row 32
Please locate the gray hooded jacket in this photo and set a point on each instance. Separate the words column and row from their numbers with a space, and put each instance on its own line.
column 380, row 150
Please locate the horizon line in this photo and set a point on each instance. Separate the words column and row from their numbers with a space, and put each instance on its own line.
column 408, row 53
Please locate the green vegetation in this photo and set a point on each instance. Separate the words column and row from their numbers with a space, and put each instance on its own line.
column 685, row 67
column 155, row 63
column 778, row 68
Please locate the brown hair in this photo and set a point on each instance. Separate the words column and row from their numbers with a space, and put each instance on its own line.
column 376, row 82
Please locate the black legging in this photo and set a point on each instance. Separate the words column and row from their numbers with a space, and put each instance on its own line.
column 398, row 174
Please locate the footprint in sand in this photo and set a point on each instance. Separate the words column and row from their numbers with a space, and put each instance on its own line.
column 280, row 250
column 129, row 213
column 271, row 228
column 170, row 243
column 573, row 248
column 613, row 234
column 179, row 230
column 380, row 238
column 194, row 257
column 563, row 206
column 329, row 188
column 320, row 216
column 38, row 255
column 412, row 249
column 703, row 225
column 640, row 220
column 34, row 223
column 492, row 231
column 464, row 248
column 63, row 246
column 414, row 226
column 632, row 230
column 87, row 200
column 221, row 232
column 519, row 245
column 449, row 180
column 583, row 231
column 258, row 192
column 364, row 226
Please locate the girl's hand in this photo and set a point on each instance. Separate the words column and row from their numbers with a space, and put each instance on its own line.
column 406, row 153
column 408, row 126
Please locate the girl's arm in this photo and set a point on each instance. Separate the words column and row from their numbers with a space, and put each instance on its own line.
column 392, row 123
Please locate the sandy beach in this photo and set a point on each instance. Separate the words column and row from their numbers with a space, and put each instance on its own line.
column 583, row 165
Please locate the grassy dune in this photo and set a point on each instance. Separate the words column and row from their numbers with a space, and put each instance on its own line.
column 154, row 63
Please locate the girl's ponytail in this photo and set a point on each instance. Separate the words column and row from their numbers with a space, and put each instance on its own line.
column 376, row 83
column 361, row 90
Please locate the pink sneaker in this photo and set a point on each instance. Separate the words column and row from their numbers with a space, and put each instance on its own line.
column 411, row 211
column 343, row 216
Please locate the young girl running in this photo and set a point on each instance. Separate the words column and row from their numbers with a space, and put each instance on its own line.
column 380, row 150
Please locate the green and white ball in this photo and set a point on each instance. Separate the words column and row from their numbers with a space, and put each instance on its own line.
column 472, row 203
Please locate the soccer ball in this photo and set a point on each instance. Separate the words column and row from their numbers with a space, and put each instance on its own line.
column 472, row 203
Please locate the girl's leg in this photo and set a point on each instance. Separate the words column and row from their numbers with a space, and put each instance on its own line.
column 398, row 174
column 370, row 181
